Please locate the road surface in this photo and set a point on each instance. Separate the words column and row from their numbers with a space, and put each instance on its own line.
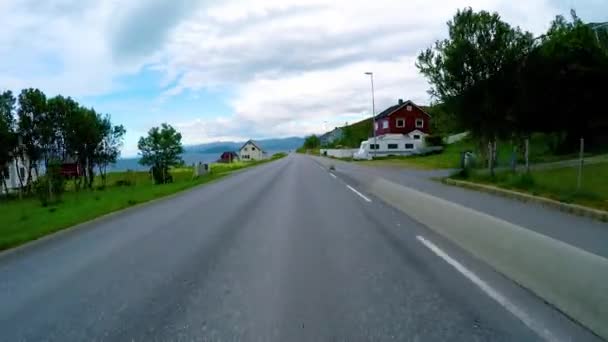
column 582, row 232
column 283, row 252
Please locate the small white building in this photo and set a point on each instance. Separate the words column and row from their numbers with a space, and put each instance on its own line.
column 251, row 151
column 13, row 173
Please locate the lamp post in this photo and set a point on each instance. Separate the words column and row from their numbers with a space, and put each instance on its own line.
column 371, row 75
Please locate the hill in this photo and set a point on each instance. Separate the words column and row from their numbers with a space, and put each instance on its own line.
column 281, row 144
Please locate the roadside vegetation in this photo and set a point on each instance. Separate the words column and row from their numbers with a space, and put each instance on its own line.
column 25, row 220
column 559, row 184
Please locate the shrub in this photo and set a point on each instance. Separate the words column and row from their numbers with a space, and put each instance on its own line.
column 123, row 182
column 50, row 187
column 433, row 140
column 522, row 181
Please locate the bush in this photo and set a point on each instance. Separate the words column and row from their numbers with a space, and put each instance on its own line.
column 123, row 182
column 433, row 140
column 50, row 187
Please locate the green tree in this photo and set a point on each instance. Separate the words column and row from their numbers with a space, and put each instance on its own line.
column 312, row 142
column 466, row 71
column 31, row 113
column 108, row 150
column 8, row 138
column 161, row 149
column 479, row 47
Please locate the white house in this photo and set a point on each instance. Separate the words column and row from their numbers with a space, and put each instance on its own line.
column 251, row 151
column 13, row 173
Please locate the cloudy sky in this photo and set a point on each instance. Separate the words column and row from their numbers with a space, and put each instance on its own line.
column 232, row 69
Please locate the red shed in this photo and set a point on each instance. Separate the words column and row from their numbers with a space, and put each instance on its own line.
column 402, row 118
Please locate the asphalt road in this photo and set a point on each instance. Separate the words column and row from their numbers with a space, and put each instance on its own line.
column 582, row 232
column 282, row 252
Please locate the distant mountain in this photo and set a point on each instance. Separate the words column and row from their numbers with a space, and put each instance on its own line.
column 283, row 144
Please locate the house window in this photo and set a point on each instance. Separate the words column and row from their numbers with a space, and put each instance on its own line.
column 408, row 108
column 245, row 156
column 245, row 149
column 5, row 173
column 374, row 146
column 385, row 124
column 400, row 123
column 419, row 123
column 409, row 146
column 22, row 172
column 416, row 137
column 393, row 146
column 253, row 148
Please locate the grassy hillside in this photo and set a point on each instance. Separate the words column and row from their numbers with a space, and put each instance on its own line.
column 354, row 134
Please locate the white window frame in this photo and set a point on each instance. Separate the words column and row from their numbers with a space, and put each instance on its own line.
column 376, row 125
column 408, row 108
column 384, row 124
column 417, row 137
column 421, row 121
column 402, row 123
column 388, row 146
column 410, row 148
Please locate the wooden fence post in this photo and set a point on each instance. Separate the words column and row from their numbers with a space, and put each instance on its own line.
column 580, row 166
column 527, row 155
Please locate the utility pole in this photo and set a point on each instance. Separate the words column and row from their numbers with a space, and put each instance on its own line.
column 371, row 74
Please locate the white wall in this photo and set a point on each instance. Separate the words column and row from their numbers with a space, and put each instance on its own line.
column 13, row 180
column 338, row 153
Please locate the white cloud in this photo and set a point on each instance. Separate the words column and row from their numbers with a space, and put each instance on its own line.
column 298, row 69
column 291, row 66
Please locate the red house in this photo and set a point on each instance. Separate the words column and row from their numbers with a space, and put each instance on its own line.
column 402, row 118
column 228, row 157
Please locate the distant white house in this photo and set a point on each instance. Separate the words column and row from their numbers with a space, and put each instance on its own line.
column 251, row 151
column 15, row 175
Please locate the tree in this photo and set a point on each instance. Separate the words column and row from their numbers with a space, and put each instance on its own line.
column 161, row 149
column 467, row 71
column 312, row 142
column 31, row 112
column 479, row 47
column 8, row 138
column 108, row 150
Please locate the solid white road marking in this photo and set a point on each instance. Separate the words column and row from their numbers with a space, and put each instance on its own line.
column 358, row 193
column 331, row 174
column 497, row 296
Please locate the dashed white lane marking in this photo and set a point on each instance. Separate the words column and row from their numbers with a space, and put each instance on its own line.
column 331, row 174
column 358, row 193
column 497, row 296
column 321, row 167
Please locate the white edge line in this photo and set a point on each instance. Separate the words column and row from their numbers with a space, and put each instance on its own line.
column 358, row 193
column 331, row 174
column 497, row 296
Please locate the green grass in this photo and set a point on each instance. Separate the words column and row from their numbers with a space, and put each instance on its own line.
column 449, row 158
column 25, row 220
column 558, row 184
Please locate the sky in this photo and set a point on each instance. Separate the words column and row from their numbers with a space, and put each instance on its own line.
column 221, row 70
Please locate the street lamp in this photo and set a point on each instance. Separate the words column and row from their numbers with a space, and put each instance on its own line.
column 371, row 75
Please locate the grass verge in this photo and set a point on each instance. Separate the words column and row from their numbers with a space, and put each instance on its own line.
column 449, row 158
column 25, row 220
column 558, row 184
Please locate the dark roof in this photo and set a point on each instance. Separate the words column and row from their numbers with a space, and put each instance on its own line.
column 253, row 143
column 229, row 152
column 392, row 109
